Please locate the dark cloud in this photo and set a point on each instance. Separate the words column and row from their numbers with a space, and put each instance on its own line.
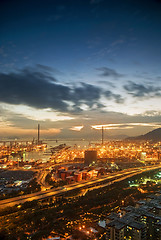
column 88, row 93
column 109, row 72
column 118, row 98
column 140, row 90
column 33, row 88
column 36, row 87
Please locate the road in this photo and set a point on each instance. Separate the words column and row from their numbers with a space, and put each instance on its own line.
column 112, row 178
column 41, row 179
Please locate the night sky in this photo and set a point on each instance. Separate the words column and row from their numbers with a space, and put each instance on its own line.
column 75, row 65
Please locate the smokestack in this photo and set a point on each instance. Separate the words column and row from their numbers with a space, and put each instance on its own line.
column 38, row 134
column 102, row 136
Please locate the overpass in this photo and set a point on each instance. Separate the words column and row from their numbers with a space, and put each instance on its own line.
column 100, row 182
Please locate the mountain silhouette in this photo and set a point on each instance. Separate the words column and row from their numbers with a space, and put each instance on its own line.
column 154, row 135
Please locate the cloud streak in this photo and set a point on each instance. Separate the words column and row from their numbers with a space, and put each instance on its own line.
column 141, row 90
column 125, row 125
column 77, row 128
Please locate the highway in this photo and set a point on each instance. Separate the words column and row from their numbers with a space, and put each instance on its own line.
column 102, row 181
column 41, row 179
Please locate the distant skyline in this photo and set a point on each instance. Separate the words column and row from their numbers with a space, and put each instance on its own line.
column 75, row 65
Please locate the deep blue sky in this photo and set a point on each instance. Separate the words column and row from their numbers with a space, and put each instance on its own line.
column 80, row 63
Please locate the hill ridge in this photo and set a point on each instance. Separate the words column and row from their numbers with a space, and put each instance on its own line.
column 154, row 135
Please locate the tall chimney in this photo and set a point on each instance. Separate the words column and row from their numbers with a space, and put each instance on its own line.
column 38, row 134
